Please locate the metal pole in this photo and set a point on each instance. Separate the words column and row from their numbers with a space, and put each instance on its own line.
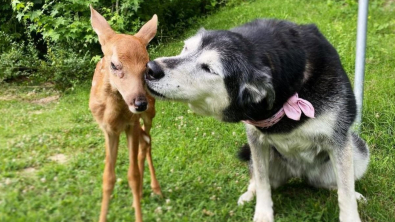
column 360, row 57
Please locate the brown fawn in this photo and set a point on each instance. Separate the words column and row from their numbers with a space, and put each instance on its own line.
column 118, row 101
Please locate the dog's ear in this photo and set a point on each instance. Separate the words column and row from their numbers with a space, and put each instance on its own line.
column 148, row 31
column 258, row 88
column 101, row 26
column 201, row 30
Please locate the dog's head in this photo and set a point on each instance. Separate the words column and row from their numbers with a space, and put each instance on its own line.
column 125, row 59
column 217, row 71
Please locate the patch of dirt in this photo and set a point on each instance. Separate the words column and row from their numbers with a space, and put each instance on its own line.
column 31, row 171
column 8, row 97
column 59, row 158
column 46, row 100
column 388, row 5
column 37, row 112
column 41, row 94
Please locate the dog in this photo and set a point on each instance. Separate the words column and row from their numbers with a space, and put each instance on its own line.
column 118, row 100
column 286, row 83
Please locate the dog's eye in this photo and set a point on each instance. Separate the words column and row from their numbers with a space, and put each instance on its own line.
column 184, row 49
column 206, row 68
column 113, row 67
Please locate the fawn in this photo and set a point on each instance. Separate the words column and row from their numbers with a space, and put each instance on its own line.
column 118, row 101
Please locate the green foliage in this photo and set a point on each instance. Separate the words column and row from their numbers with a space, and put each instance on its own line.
column 65, row 67
column 62, row 66
column 56, row 21
column 18, row 60
column 65, row 41
column 69, row 20
column 176, row 15
column 8, row 21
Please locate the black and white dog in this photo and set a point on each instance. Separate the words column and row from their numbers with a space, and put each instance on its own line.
column 287, row 84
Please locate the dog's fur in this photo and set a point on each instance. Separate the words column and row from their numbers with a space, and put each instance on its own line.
column 118, row 100
column 248, row 73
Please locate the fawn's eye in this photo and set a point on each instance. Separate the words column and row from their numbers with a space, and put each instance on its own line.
column 113, row 67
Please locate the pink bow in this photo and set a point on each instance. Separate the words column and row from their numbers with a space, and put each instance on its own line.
column 294, row 107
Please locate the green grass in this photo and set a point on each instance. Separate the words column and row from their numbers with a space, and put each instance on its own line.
column 194, row 156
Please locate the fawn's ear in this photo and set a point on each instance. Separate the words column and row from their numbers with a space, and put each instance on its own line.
column 101, row 26
column 148, row 31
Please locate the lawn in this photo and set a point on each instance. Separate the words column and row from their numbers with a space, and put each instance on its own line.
column 52, row 152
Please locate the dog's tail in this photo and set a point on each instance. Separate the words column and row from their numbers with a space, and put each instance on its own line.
column 244, row 153
column 360, row 144
column 361, row 156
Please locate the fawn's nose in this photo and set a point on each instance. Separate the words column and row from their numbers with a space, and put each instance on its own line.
column 154, row 71
column 140, row 104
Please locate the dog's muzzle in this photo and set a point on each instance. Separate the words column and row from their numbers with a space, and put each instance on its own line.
column 154, row 71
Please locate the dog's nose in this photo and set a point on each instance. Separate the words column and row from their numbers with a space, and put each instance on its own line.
column 140, row 105
column 154, row 71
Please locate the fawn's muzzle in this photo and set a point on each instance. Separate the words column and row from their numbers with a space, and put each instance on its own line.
column 140, row 104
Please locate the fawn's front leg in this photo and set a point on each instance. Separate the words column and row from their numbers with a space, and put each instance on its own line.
column 147, row 119
column 112, row 141
column 134, row 179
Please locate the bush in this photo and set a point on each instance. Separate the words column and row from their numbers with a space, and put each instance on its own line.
column 61, row 65
column 69, row 20
column 17, row 60
column 65, row 67
column 175, row 15
column 65, row 41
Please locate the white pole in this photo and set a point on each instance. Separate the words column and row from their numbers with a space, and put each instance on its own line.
column 360, row 57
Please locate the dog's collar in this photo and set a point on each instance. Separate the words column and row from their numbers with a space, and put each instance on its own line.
column 293, row 109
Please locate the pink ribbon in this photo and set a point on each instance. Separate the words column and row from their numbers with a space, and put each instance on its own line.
column 293, row 109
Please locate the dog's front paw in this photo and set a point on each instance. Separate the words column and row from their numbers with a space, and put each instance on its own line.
column 360, row 198
column 349, row 215
column 264, row 216
column 245, row 197
column 350, row 218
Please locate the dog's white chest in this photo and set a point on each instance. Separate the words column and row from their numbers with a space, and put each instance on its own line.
column 303, row 143
column 297, row 147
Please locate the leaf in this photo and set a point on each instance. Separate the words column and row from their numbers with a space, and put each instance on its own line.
column 35, row 14
column 54, row 12
column 95, row 58
column 14, row 4
column 32, row 27
column 59, row 21
column 19, row 16
column 20, row 6
column 52, row 35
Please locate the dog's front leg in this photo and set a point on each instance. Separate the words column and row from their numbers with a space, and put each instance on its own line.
column 249, row 194
column 260, row 155
column 342, row 160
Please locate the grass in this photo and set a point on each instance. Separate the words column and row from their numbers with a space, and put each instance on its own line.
column 194, row 156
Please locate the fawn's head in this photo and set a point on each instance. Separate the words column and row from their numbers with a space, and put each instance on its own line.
column 125, row 59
